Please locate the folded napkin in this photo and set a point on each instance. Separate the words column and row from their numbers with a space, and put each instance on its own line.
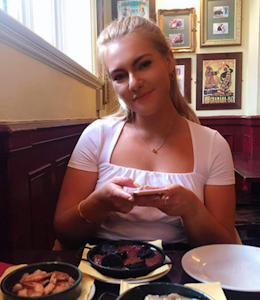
column 212, row 289
column 85, row 285
column 86, row 267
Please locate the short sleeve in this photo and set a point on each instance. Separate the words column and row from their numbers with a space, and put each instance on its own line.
column 221, row 171
column 85, row 154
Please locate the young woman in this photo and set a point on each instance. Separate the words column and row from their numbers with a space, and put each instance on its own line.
column 154, row 140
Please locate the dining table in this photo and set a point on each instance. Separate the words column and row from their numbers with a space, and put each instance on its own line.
column 176, row 274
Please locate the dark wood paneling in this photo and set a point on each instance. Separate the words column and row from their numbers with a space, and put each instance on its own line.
column 245, row 131
column 230, row 139
column 42, row 204
column 33, row 161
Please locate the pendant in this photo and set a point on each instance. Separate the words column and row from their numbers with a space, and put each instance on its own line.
column 154, row 151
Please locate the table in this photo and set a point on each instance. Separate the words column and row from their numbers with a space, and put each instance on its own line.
column 176, row 275
column 247, row 165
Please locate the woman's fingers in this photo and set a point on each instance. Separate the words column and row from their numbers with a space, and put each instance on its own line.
column 124, row 181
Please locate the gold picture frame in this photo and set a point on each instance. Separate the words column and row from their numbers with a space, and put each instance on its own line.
column 220, row 25
column 179, row 28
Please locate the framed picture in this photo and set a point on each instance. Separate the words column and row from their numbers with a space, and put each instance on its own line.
column 183, row 74
column 219, row 81
column 151, row 5
column 179, row 28
column 133, row 8
column 220, row 23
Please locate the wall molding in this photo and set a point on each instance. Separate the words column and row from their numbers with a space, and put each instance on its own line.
column 16, row 35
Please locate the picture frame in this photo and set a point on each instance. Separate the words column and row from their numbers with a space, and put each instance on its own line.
column 183, row 74
column 220, row 25
column 152, row 13
column 219, row 81
column 179, row 28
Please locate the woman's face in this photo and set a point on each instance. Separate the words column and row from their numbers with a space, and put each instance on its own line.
column 139, row 73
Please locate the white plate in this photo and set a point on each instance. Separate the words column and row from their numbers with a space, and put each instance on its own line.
column 118, row 281
column 236, row 267
column 92, row 292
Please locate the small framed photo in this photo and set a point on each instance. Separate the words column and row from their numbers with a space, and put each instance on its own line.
column 179, row 28
column 133, row 8
column 220, row 23
column 143, row 8
column 183, row 75
column 219, row 81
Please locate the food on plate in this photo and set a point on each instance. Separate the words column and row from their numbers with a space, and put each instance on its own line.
column 127, row 256
column 173, row 296
column 41, row 283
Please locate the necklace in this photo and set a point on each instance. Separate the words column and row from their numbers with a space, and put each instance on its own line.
column 155, row 151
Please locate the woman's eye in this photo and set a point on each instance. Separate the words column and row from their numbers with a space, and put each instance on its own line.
column 118, row 77
column 145, row 64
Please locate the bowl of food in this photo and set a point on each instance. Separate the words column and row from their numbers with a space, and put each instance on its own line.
column 163, row 291
column 125, row 258
column 45, row 280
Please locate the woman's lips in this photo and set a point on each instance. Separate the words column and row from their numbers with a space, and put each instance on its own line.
column 142, row 96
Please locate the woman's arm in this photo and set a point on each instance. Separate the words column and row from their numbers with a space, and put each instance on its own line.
column 78, row 186
column 213, row 222
column 209, row 223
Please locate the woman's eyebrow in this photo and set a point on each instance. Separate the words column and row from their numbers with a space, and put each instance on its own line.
column 133, row 64
column 140, row 58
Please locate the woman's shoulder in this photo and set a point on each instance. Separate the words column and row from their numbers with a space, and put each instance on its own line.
column 201, row 129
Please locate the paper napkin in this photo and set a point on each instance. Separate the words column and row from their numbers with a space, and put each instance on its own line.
column 86, row 267
column 124, row 286
column 85, row 285
column 212, row 289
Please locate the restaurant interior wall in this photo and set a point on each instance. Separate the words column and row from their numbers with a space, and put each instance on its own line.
column 250, row 48
column 43, row 111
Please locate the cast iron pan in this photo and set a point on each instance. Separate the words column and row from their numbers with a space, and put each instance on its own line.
column 160, row 288
column 122, row 273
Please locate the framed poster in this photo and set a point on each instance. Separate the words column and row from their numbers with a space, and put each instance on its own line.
column 179, row 28
column 219, row 81
column 151, row 3
column 183, row 75
column 220, row 22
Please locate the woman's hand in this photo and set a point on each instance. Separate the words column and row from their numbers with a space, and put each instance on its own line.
column 111, row 196
column 177, row 201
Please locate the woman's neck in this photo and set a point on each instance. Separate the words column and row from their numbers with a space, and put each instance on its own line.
column 157, row 123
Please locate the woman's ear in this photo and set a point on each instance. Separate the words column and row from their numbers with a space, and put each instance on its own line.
column 170, row 61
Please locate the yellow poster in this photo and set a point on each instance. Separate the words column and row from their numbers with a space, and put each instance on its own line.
column 219, row 81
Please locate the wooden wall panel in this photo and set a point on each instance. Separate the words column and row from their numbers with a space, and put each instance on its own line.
column 42, row 204
column 33, row 161
column 245, row 131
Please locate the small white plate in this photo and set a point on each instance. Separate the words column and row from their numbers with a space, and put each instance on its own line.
column 118, row 281
column 92, row 292
column 236, row 267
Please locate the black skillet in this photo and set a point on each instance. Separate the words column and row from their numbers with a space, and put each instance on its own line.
column 122, row 273
column 161, row 289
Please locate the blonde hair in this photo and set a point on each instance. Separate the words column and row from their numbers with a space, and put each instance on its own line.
column 151, row 32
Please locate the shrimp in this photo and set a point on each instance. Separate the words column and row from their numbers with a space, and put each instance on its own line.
column 34, row 289
column 42, row 283
column 37, row 275
column 60, row 287
column 51, row 285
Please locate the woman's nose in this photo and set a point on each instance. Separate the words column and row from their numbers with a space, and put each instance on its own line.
column 135, row 82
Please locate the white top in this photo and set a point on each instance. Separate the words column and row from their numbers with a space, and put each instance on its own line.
column 213, row 165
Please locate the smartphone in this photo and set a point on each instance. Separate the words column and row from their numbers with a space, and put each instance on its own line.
column 150, row 192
